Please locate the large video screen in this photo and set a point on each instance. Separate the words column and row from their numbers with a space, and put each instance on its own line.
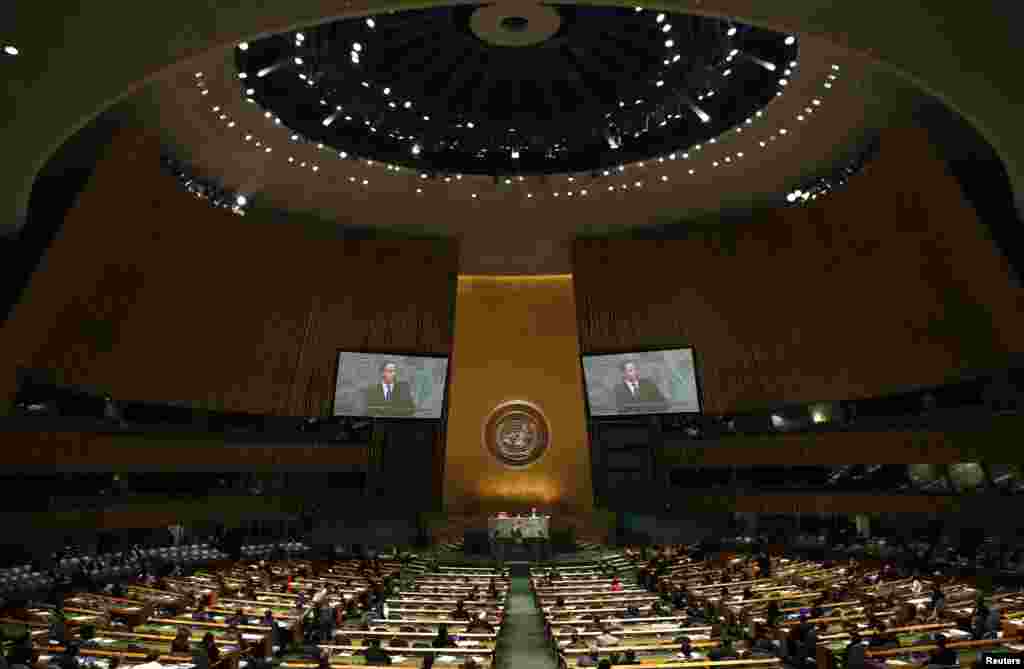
column 390, row 386
column 641, row 383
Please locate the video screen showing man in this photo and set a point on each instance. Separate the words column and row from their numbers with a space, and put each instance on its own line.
column 651, row 382
column 389, row 397
column 637, row 394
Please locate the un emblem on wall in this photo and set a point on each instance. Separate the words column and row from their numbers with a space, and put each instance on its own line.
column 517, row 433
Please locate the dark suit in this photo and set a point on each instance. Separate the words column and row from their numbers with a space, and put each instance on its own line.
column 399, row 404
column 647, row 398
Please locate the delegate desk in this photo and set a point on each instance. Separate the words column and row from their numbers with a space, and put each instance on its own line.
column 658, row 663
column 159, row 599
column 636, row 635
column 917, row 654
column 130, row 611
column 416, row 636
column 454, row 626
column 646, row 653
column 343, row 657
column 101, row 659
column 258, row 637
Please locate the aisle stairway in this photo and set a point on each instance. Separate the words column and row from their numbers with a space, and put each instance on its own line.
column 523, row 643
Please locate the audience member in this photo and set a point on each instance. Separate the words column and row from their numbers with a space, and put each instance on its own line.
column 375, row 655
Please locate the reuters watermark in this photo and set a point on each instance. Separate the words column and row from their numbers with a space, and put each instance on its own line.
column 1001, row 660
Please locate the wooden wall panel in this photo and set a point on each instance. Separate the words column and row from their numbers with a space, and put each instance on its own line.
column 515, row 339
column 154, row 295
column 99, row 452
column 889, row 283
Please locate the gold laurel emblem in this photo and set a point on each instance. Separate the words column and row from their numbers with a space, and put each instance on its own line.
column 516, row 433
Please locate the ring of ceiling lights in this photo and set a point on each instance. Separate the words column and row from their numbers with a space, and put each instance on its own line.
column 431, row 91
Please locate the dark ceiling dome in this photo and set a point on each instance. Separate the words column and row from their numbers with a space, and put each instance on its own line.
column 520, row 89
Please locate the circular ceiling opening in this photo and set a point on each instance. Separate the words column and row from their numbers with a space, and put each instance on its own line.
column 515, row 24
column 516, row 90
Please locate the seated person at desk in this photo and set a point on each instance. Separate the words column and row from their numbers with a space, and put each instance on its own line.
column 237, row 619
column 460, row 612
column 480, row 623
column 559, row 601
column 374, row 654
column 980, row 621
column 69, row 660
column 883, row 639
column 687, row 652
column 575, row 641
column 632, row 611
column 201, row 614
column 616, row 584
column 207, row 654
column 210, row 645
column 762, row 644
column 629, row 657
column 773, row 614
column 352, row 611
column 182, row 641
column 725, row 651
column 942, row 655
column 606, row 638
column 58, row 624
column 748, row 593
column 855, row 652
column 658, row 609
column 443, row 639
column 590, row 659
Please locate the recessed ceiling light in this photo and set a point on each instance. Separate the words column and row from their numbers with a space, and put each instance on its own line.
column 790, row 39
column 12, row 50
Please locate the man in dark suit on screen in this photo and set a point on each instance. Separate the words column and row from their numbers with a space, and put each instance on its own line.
column 636, row 395
column 390, row 397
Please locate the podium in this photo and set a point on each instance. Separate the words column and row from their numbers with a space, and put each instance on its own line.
column 523, row 538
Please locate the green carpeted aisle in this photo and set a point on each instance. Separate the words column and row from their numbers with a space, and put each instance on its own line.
column 523, row 644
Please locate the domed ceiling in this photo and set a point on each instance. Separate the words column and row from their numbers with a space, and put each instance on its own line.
column 516, row 127
column 521, row 89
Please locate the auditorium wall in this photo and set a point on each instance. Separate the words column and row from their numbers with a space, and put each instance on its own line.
column 886, row 284
column 151, row 294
